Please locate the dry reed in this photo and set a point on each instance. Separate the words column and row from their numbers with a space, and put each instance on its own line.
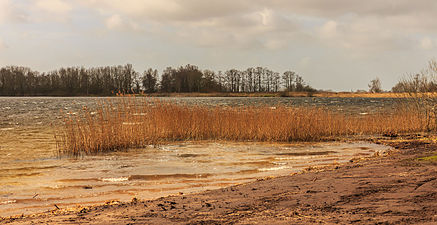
column 129, row 123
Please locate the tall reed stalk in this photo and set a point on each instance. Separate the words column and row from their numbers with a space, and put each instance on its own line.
column 130, row 123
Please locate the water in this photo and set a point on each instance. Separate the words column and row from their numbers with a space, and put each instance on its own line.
column 16, row 111
column 33, row 178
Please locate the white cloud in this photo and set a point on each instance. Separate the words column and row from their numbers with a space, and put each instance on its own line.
column 266, row 17
column 117, row 23
column 54, row 6
column 426, row 43
column 4, row 10
column 11, row 12
column 329, row 29
column 114, row 22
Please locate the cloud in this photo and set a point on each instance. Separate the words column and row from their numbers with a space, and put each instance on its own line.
column 304, row 62
column 190, row 10
column 262, row 29
column 11, row 12
column 54, row 6
column 215, row 23
column 118, row 23
column 426, row 43
column 362, row 27
column 2, row 44
column 352, row 25
column 171, row 10
column 329, row 29
column 364, row 36
column 114, row 21
column 339, row 8
column 4, row 10
column 34, row 12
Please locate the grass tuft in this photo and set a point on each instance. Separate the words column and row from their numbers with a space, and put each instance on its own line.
column 429, row 158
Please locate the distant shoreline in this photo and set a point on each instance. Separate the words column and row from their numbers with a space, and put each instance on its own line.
column 286, row 94
column 255, row 94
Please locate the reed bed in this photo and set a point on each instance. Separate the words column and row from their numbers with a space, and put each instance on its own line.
column 131, row 123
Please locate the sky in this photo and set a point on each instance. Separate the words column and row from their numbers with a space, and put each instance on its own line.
column 335, row 45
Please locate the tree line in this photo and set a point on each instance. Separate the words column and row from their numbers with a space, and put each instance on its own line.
column 109, row 80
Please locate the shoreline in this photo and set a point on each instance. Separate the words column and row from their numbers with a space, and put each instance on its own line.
column 397, row 188
column 323, row 94
column 316, row 94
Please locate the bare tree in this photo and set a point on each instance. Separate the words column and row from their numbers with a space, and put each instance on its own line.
column 375, row 86
column 421, row 90
column 149, row 80
column 288, row 79
column 108, row 80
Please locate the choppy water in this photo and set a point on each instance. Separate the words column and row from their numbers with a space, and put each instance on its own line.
column 33, row 178
column 16, row 111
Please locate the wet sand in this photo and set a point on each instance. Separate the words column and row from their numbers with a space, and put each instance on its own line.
column 37, row 182
column 393, row 189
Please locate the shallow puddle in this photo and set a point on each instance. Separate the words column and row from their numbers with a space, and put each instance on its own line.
column 35, row 184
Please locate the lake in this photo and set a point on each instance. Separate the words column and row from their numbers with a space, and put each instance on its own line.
column 34, row 178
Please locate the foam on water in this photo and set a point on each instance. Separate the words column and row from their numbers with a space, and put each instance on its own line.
column 274, row 168
column 114, row 179
column 8, row 202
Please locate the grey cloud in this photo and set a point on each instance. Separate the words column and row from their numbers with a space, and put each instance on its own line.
column 368, row 24
column 240, row 24
column 264, row 29
column 187, row 10
column 337, row 8
column 365, row 35
column 200, row 9
column 173, row 10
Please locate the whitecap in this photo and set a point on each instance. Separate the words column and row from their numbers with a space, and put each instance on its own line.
column 274, row 168
column 130, row 124
column 8, row 202
column 114, row 179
